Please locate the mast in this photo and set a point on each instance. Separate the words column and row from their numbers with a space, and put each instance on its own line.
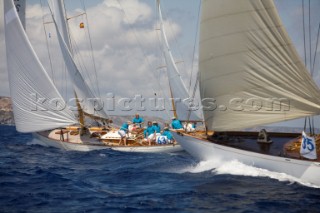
column 80, row 115
column 173, row 104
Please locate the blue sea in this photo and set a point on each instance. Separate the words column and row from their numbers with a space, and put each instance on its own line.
column 34, row 178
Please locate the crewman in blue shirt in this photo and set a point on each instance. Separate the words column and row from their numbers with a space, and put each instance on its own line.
column 150, row 133
column 176, row 123
column 137, row 120
column 156, row 126
column 167, row 133
column 123, row 131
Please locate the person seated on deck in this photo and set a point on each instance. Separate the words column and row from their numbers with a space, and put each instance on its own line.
column 123, row 131
column 150, row 133
column 137, row 120
column 176, row 123
column 166, row 133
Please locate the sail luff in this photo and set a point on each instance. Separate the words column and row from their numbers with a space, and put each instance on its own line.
column 37, row 104
column 178, row 90
column 250, row 68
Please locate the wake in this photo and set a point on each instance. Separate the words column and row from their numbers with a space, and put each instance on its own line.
column 237, row 168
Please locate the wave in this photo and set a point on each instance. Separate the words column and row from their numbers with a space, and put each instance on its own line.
column 237, row 168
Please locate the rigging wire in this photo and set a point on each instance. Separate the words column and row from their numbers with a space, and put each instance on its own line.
column 305, row 51
column 316, row 51
column 91, row 48
column 310, row 58
column 310, row 65
column 304, row 34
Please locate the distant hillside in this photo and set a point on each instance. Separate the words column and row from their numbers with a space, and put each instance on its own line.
column 6, row 114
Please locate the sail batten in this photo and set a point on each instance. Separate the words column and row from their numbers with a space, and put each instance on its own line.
column 250, row 68
column 37, row 104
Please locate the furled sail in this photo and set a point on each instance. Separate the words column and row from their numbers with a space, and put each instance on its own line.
column 178, row 90
column 89, row 102
column 250, row 72
column 37, row 104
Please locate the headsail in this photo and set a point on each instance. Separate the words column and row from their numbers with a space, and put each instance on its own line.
column 37, row 104
column 89, row 102
column 177, row 87
column 250, row 67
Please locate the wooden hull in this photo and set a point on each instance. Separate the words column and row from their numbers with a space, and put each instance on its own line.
column 43, row 139
column 202, row 149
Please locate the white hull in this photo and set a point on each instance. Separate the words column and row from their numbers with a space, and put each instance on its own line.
column 306, row 171
column 84, row 147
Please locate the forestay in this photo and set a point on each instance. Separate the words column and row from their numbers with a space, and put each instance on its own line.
column 37, row 104
column 250, row 67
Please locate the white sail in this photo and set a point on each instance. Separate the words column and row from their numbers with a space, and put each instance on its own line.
column 88, row 101
column 37, row 104
column 21, row 9
column 177, row 87
column 59, row 14
column 247, row 60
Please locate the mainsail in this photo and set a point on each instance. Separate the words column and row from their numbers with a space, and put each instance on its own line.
column 249, row 67
column 89, row 102
column 37, row 104
column 179, row 93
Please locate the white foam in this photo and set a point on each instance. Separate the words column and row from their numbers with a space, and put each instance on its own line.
column 238, row 168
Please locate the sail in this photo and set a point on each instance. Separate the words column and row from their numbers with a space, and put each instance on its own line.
column 59, row 15
column 21, row 9
column 178, row 89
column 89, row 102
column 250, row 72
column 37, row 104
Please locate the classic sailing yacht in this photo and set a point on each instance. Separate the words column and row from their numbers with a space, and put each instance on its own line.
column 251, row 75
column 38, row 106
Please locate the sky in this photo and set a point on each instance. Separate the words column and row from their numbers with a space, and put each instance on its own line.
column 126, row 45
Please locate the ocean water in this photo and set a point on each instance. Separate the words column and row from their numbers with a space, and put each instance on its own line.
column 41, row 179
